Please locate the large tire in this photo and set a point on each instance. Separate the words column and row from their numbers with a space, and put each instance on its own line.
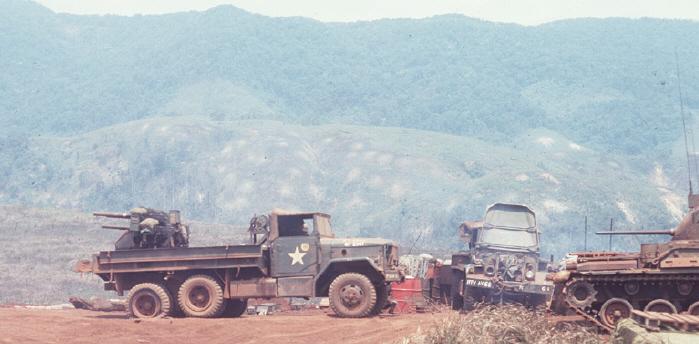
column 352, row 295
column 382, row 292
column 201, row 296
column 457, row 301
column 469, row 299
column 535, row 301
column 148, row 300
column 173, row 287
column 235, row 308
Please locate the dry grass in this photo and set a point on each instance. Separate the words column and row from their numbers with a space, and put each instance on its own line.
column 499, row 325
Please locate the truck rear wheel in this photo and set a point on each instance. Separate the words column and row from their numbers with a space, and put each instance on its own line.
column 201, row 296
column 235, row 308
column 148, row 300
column 352, row 295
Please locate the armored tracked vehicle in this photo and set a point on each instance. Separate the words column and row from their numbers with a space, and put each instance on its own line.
column 290, row 255
column 605, row 287
column 502, row 262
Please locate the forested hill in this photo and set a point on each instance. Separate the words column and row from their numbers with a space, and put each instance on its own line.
column 610, row 83
column 398, row 127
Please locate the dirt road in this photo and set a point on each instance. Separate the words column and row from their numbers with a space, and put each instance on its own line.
column 79, row 326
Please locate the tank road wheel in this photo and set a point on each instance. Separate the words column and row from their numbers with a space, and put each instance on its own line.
column 693, row 309
column 201, row 296
column 613, row 310
column 581, row 294
column 235, row 308
column 148, row 300
column 631, row 288
column 685, row 288
column 661, row 306
column 382, row 292
column 352, row 295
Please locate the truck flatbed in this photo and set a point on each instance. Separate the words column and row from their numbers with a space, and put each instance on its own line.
column 177, row 259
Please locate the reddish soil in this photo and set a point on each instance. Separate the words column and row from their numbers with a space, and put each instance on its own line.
column 79, row 326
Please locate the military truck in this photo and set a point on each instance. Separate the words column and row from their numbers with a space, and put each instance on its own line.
column 502, row 261
column 290, row 255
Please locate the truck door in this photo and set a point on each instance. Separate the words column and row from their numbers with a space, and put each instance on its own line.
column 295, row 256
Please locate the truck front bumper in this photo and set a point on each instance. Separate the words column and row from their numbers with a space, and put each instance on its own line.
column 509, row 287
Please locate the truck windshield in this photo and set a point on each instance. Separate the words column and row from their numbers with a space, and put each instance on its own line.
column 322, row 226
column 507, row 237
column 511, row 217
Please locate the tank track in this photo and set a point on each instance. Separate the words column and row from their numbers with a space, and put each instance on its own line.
column 596, row 280
column 590, row 318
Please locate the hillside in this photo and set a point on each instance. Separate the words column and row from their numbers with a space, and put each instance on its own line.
column 606, row 83
column 393, row 182
column 408, row 185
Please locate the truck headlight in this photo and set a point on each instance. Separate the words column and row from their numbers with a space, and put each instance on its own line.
column 529, row 275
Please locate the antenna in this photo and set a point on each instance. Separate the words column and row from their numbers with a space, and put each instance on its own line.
column 684, row 124
column 415, row 242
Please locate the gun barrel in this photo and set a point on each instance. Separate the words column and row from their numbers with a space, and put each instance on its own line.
column 121, row 228
column 113, row 215
column 633, row 232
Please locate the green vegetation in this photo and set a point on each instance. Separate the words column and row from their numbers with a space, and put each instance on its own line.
column 609, row 84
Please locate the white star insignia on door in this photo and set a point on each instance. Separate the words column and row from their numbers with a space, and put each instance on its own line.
column 296, row 257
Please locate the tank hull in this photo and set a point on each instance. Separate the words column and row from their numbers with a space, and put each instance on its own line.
column 607, row 286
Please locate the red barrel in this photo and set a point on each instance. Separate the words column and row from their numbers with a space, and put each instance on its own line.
column 407, row 294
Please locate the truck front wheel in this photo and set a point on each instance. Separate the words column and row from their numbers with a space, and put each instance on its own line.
column 352, row 295
column 148, row 300
column 382, row 292
column 201, row 296
column 457, row 300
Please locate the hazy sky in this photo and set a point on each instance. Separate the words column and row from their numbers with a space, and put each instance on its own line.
column 528, row 12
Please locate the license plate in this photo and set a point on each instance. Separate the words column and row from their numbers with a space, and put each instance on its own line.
column 392, row 277
column 479, row 283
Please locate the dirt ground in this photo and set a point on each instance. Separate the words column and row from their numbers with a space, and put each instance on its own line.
column 79, row 326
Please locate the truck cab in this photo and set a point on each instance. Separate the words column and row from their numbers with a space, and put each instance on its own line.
column 502, row 261
column 291, row 254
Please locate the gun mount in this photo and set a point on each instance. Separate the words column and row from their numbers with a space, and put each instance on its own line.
column 149, row 228
column 112, row 215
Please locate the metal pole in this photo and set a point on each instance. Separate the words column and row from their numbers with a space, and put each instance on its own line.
column 611, row 229
column 586, row 233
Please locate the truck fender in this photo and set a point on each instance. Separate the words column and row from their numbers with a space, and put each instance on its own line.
column 357, row 265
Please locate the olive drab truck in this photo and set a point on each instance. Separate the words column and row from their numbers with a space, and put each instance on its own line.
column 290, row 255
column 501, row 263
